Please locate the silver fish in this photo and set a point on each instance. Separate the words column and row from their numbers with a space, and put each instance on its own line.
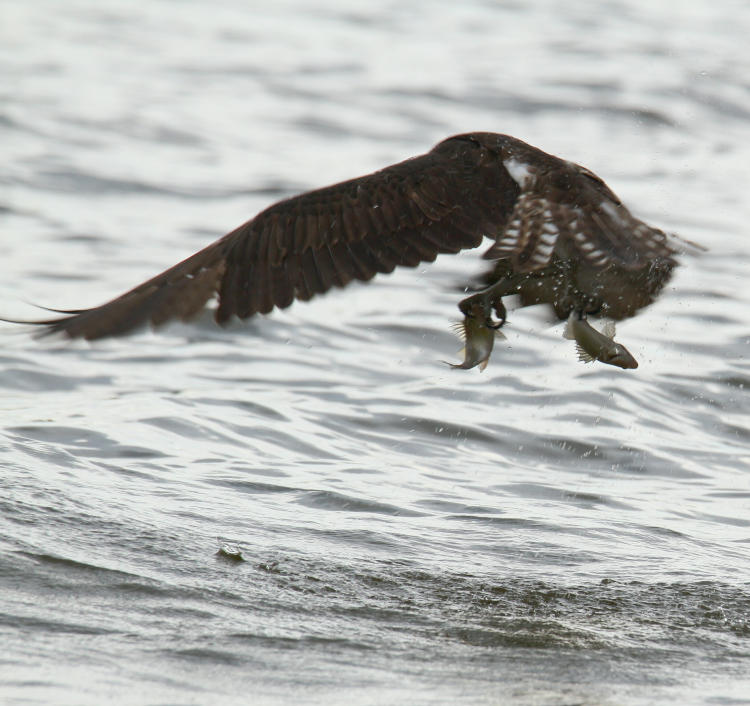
column 478, row 338
column 593, row 345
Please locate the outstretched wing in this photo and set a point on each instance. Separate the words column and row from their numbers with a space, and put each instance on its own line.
column 440, row 202
column 565, row 210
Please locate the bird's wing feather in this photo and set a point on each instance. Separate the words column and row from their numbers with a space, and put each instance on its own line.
column 441, row 202
column 568, row 212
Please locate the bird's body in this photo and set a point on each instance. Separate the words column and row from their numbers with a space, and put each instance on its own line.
column 561, row 237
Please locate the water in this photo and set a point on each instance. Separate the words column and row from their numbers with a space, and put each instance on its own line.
column 540, row 533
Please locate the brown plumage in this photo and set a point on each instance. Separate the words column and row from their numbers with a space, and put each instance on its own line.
column 562, row 237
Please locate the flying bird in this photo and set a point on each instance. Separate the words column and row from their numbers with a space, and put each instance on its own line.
column 561, row 236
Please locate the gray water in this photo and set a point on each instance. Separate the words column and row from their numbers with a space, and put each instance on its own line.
column 541, row 533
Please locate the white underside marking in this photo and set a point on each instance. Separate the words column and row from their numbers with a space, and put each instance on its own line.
column 519, row 171
column 599, row 261
column 612, row 212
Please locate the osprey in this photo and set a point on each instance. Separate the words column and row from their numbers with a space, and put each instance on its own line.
column 561, row 236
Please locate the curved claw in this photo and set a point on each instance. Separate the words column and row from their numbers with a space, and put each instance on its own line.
column 479, row 305
column 500, row 311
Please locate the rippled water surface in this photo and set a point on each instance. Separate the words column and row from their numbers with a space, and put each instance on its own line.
column 540, row 533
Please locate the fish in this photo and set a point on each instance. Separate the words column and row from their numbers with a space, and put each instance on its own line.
column 478, row 333
column 594, row 345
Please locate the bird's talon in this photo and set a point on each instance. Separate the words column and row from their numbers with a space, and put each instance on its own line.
column 500, row 312
column 466, row 306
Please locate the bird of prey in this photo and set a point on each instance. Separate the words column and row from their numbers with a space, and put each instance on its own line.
column 561, row 236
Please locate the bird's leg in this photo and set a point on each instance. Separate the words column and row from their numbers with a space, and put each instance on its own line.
column 481, row 303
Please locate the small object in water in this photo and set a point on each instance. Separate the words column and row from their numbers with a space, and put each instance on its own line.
column 478, row 333
column 230, row 551
column 272, row 567
column 593, row 345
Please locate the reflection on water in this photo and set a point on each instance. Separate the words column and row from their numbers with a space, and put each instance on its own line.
column 542, row 532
